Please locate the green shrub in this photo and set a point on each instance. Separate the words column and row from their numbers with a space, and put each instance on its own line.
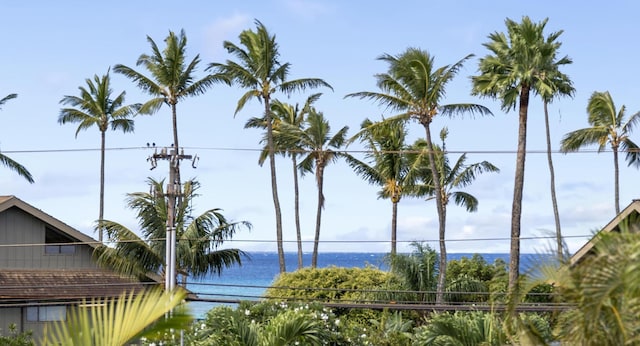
column 331, row 284
column 15, row 338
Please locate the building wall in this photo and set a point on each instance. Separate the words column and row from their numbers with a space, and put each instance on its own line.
column 26, row 235
column 10, row 316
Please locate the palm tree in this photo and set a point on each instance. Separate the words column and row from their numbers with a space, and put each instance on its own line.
column 118, row 321
column 7, row 161
column 171, row 81
column 459, row 176
column 294, row 116
column 260, row 71
column 603, row 290
column 388, row 168
column 287, row 328
column 96, row 107
column 199, row 239
column 552, row 84
column 607, row 126
column 415, row 87
column 321, row 148
column 516, row 66
column 462, row 328
column 417, row 272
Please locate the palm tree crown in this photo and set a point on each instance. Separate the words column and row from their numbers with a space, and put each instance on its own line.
column 198, row 238
column 96, row 107
column 387, row 167
column 452, row 178
column 7, row 161
column 608, row 126
column 172, row 77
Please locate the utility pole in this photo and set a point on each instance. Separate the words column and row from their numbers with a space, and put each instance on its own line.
column 174, row 199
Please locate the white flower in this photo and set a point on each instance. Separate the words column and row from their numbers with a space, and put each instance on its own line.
column 337, row 322
column 247, row 312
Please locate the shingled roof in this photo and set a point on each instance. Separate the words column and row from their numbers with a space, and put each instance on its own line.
column 24, row 285
column 78, row 284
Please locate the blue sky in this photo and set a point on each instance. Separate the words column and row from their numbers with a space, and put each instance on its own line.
column 50, row 48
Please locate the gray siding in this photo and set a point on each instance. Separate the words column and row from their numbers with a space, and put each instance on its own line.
column 10, row 316
column 18, row 227
column 18, row 316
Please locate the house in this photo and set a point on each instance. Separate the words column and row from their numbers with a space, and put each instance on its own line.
column 629, row 217
column 46, row 267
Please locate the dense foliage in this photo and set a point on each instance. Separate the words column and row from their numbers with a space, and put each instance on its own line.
column 331, row 284
column 15, row 338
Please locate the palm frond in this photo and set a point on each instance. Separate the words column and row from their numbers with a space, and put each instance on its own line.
column 120, row 320
column 16, row 167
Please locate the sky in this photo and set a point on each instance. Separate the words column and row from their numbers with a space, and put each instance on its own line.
column 50, row 48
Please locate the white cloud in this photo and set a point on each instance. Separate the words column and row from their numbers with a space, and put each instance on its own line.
column 224, row 29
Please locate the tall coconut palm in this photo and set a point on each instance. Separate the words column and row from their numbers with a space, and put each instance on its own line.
column 387, row 166
column 415, row 87
column 119, row 321
column 452, row 178
column 7, row 161
column 259, row 70
column 552, row 84
column 608, row 125
column 199, row 239
column 172, row 79
column 321, row 150
column 285, row 113
column 95, row 107
column 514, row 68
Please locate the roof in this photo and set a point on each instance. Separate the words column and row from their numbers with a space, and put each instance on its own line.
column 7, row 202
column 63, row 284
column 46, row 285
column 634, row 207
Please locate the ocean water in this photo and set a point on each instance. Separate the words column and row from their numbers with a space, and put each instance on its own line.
column 249, row 281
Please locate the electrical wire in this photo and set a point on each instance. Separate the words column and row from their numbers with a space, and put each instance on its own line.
column 146, row 241
column 303, row 151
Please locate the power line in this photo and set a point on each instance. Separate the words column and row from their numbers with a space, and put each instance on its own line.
column 115, row 242
column 302, row 151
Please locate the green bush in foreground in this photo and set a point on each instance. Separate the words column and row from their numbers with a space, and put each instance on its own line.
column 15, row 338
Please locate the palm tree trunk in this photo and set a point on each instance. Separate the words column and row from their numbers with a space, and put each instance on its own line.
column 394, row 223
column 435, row 175
column 101, row 212
column 554, row 200
column 274, row 184
column 516, row 209
column 297, row 210
column 316, row 239
column 616, row 178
